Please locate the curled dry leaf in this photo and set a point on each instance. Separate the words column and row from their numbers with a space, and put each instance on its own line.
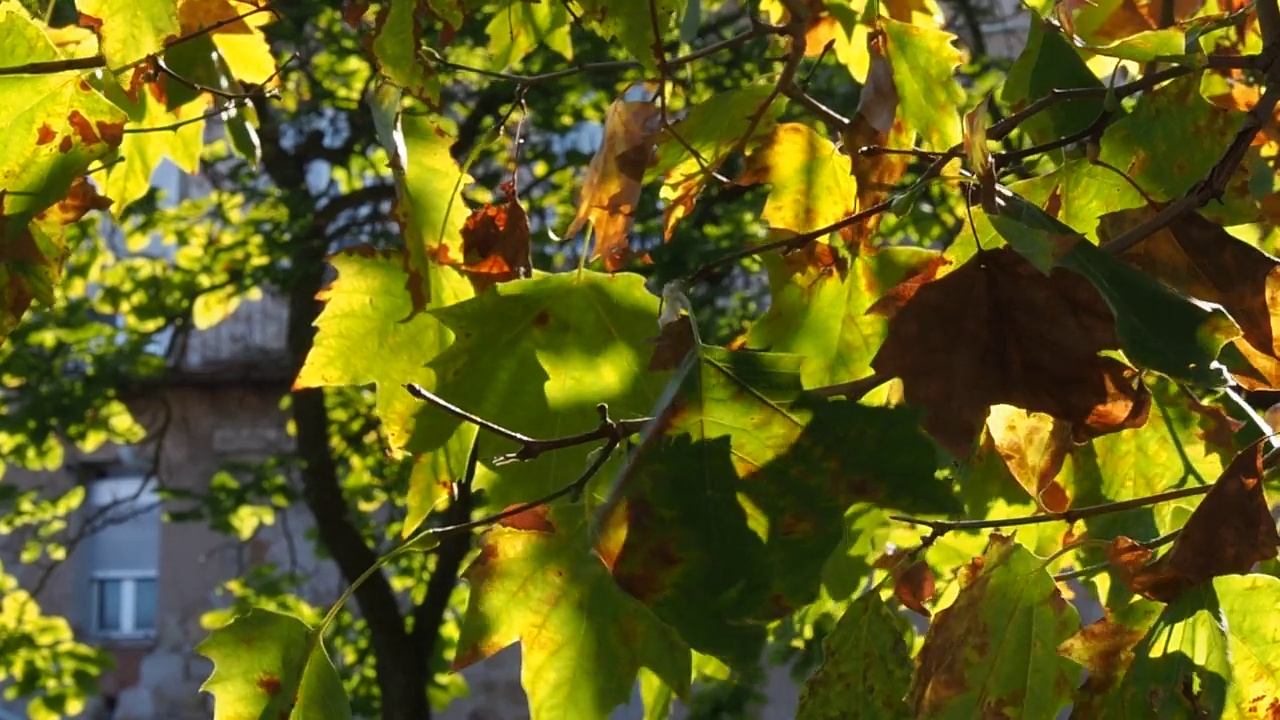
column 1033, row 446
column 997, row 331
column 876, row 123
column 1200, row 258
column 612, row 187
column 1226, row 534
column 913, row 585
column 495, row 245
column 672, row 344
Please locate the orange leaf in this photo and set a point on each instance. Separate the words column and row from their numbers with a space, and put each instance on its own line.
column 913, row 586
column 612, row 186
column 495, row 245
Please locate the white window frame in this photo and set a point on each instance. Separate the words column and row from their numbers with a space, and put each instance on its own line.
column 128, row 603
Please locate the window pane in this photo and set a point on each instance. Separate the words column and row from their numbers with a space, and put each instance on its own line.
column 145, row 605
column 109, row 605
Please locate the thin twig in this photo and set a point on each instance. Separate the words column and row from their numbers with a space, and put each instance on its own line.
column 1068, row 516
column 198, row 118
column 854, row 389
column 530, row 448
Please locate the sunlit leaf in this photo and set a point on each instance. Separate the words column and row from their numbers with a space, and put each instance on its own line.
column 924, row 63
column 582, row 639
column 267, row 666
column 810, row 183
column 996, row 647
column 130, row 31
column 520, row 28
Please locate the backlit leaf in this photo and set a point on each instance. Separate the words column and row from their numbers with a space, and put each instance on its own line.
column 130, row 31
column 367, row 310
column 994, row 650
column 270, row 666
column 712, row 128
column 613, row 182
column 821, row 313
column 810, row 183
column 521, row 27
column 582, row 639
column 865, row 671
column 631, row 24
column 1048, row 63
column 541, row 353
column 924, row 62
column 400, row 28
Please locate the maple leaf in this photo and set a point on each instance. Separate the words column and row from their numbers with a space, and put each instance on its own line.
column 810, row 184
column 495, row 245
column 996, row 639
column 613, row 183
column 1106, row 649
column 996, row 331
column 1202, row 259
column 1230, row 531
column 537, row 581
column 865, row 667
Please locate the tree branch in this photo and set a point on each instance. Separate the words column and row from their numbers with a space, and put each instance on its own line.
column 530, row 448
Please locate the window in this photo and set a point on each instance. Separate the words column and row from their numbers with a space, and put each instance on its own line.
column 124, row 557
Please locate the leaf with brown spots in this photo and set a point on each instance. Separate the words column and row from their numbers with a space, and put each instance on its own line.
column 1200, row 258
column 747, row 491
column 1213, row 652
column 495, row 245
column 268, row 666
column 582, row 639
column 55, row 127
column 865, row 669
column 1229, row 532
column 996, row 331
column 1176, row 115
column 612, row 186
column 993, row 651
column 1105, row 649
column 1033, row 447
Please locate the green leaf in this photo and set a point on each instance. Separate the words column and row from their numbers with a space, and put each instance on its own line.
column 1212, row 651
column 930, row 99
column 539, row 355
column 398, row 52
column 1170, row 451
column 820, row 313
column 866, row 667
column 631, row 23
column 367, row 309
column 811, row 185
column 1148, row 46
column 1175, row 115
column 732, row 517
column 1160, row 329
column 520, row 28
column 1080, row 192
column 269, row 666
column 130, row 31
column 55, row 125
column 713, row 128
column 141, row 153
column 995, row 648
column 582, row 639
column 1049, row 63
column 429, row 185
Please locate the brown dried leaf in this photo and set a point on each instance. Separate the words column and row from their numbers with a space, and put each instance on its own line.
column 672, row 344
column 495, row 245
column 81, row 198
column 899, row 295
column 997, row 331
column 1226, row 534
column 1201, row 259
column 612, row 186
column 913, row 585
column 875, row 124
column 1105, row 649
column 1033, row 447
